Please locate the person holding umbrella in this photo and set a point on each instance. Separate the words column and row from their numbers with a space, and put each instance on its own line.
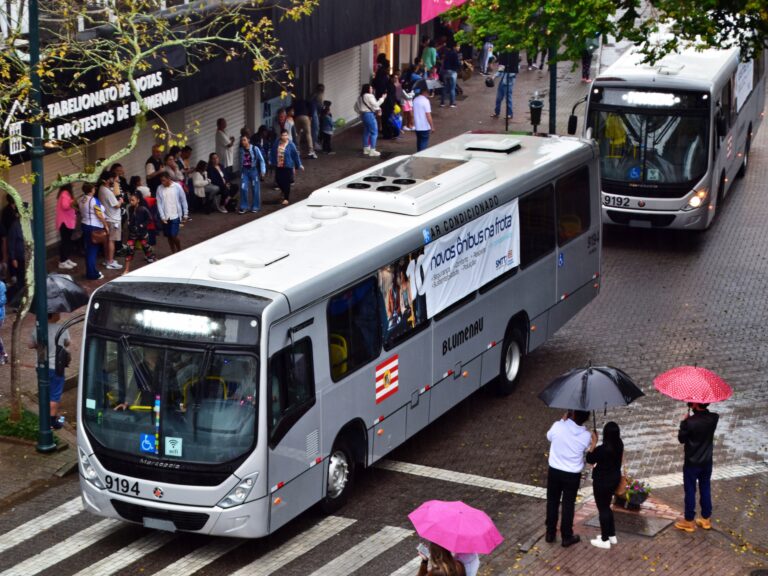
column 569, row 441
column 698, row 387
column 442, row 561
column 56, row 380
column 697, row 433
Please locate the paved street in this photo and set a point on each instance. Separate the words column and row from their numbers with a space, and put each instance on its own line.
column 667, row 299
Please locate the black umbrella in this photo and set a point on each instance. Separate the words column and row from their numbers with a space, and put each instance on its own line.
column 591, row 388
column 64, row 294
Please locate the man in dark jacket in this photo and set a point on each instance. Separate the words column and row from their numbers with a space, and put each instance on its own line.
column 697, row 433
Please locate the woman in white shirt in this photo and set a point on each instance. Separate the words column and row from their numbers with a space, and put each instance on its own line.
column 369, row 109
column 204, row 190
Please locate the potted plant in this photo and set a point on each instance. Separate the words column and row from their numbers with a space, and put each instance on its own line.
column 635, row 493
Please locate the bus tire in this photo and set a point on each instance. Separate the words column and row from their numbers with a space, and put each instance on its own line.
column 340, row 478
column 512, row 353
column 745, row 159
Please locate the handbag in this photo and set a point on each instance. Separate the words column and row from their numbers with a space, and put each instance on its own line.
column 622, row 487
column 489, row 81
column 63, row 358
column 99, row 236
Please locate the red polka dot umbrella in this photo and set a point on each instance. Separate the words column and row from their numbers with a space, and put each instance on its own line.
column 692, row 384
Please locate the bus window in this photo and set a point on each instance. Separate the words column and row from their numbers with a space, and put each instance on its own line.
column 354, row 327
column 291, row 387
column 726, row 98
column 405, row 309
column 572, row 193
column 537, row 225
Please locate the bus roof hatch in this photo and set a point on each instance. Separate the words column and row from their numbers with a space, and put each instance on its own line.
column 412, row 185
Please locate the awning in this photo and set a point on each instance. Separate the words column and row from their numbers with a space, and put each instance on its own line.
column 433, row 8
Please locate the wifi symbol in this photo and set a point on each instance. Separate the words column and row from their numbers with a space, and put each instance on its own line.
column 173, row 443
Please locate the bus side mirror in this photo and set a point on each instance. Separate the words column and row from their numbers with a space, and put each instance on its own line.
column 573, row 120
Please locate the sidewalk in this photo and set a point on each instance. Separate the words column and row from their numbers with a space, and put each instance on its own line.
column 739, row 542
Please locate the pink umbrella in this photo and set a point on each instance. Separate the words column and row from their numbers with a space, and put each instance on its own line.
column 692, row 384
column 456, row 527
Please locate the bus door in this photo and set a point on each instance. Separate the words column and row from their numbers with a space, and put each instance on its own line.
column 295, row 470
column 577, row 245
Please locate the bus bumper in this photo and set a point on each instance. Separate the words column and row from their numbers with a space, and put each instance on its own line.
column 697, row 219
column 249, row 520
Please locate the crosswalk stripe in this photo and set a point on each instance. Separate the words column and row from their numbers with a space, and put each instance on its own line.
column 40, row 523
column 62, row 550
column 360, row 554
column 127, row 555
column 409, row 569
column 200, row 558
column 295, row 547
column 462, row 478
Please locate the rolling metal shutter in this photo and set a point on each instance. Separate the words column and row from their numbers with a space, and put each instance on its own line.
column 135, row 161
column 200, row 120
column 340, row 73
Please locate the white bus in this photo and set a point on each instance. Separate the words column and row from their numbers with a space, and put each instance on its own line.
column 674, row 136
column 229, row 387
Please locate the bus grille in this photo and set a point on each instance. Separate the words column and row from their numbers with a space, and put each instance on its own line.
column 189, row 521
column 656, row 220
column 665, row 191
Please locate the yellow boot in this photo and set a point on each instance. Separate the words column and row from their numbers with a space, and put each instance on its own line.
column 704, row 523
column 685, row 525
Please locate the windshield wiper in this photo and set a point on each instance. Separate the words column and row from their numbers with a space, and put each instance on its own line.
column 138, row 372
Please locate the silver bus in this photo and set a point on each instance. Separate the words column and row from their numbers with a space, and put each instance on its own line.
column 674, row 136
column 229, row 387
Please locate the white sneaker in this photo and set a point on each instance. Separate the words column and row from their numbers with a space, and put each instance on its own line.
column 374, row 153
column 367, row 150
column 613, row 540
column 71, row 264
column 598, row 542
column 222, row 209
column 64, row 266
column 114, row 265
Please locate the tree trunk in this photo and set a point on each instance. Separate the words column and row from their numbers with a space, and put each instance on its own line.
column 16, row 336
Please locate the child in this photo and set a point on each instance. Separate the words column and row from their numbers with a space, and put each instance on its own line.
column 3, row 355
column 56, row 380
column 407, row 109
column 326, row 127
column 138, row 221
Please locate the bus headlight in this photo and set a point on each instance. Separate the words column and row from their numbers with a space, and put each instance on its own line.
column 239, row 493
column 88, row 471
column 697, row 200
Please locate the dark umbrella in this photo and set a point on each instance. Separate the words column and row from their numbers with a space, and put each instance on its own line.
column 64, row 294
column 591, row 388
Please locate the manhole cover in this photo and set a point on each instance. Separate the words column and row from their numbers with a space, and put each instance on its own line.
column 634, row 523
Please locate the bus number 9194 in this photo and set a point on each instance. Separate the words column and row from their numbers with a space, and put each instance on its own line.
column 120, row 485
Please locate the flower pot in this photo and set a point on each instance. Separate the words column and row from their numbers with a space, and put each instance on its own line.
column 633, row 502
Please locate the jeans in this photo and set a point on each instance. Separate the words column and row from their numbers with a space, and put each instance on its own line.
column 370, row 130
column 91, row 253
column 250, row 176
column 561, row 485
column 422, row 139
column 449, row 86
column 504, row 89
column 702, row 475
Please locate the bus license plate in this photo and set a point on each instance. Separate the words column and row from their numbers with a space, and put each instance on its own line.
column 616, row 201
column 121, row 485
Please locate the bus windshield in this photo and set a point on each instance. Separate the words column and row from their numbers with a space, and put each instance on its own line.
column 181, row 404
column 651, row 148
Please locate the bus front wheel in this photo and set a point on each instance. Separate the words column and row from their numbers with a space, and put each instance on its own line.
column 341, row 473
column 511, row 362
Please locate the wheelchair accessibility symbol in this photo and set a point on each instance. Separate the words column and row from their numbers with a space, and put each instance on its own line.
column 148, row 443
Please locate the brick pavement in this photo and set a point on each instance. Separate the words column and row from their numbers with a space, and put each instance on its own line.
column 738, row 542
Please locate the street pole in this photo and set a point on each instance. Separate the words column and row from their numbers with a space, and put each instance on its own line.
column 45, row 435
column 552, row 89
column 506, row 97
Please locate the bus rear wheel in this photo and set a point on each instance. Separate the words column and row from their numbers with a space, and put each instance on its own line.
column 511, row 362
column 341, row 474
